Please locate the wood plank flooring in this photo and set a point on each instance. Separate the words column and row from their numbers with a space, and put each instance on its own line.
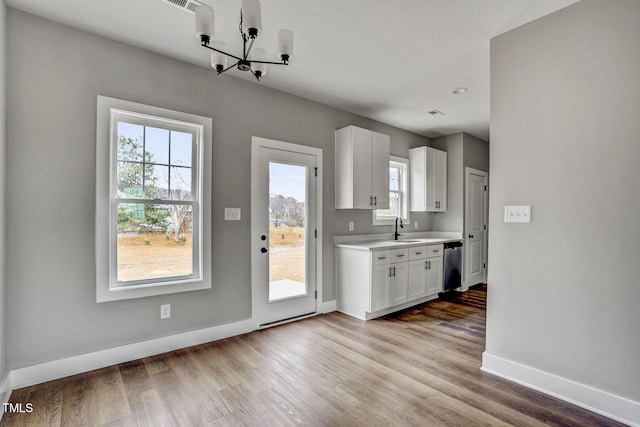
column 420, row 367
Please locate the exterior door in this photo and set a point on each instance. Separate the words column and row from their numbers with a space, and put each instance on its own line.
column 284, row 190
column 475, row 226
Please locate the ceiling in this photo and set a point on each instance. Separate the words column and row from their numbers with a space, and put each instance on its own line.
column 389, row 60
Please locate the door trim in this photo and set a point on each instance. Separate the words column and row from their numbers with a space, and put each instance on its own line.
column 485, row 174
column 256, row 144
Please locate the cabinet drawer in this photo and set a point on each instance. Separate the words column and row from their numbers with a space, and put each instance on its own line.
column 399, row 255
column 380, row 257
column 417, row 253
column 435, row 250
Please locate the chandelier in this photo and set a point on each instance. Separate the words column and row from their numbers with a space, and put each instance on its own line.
column 252, row 59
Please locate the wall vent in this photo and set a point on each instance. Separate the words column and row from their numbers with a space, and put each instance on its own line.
column 436, row 113
column 186, row 5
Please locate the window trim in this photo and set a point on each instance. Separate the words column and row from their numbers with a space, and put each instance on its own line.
column 404, row 165
column 107, row 287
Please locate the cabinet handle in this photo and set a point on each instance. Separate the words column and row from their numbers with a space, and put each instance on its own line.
column 389, row 271
column 436, row 251
column 382, row 257
column 418, row 253
column 375, row 200
column 426, row 265
column 370, row 200
column 394, row 272
column 400, row 255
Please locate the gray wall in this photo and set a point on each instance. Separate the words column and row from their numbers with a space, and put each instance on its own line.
column 565, row 103
column 54, row 74
column 476, row 153
column 3, row 147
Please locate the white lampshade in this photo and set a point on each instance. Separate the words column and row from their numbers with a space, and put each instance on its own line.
column 218, row 58
column 205, row 21
column 285, row 42
column 251, row 14
column 259, row 54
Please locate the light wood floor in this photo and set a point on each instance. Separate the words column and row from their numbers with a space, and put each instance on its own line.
column 420, row 367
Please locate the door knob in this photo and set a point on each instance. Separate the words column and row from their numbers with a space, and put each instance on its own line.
column 263, row 237
column 471, row 236
column 264, row 250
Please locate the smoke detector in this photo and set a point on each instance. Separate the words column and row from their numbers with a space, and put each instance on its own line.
column 186, row 5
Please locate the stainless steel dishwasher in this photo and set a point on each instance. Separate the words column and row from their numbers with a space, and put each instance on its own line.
column 452, row 266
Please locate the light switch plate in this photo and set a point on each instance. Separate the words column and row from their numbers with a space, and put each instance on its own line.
column 351, row 226
column 232, row 214
column 520, row 213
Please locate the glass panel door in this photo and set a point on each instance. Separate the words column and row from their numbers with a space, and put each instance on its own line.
column 287, row 230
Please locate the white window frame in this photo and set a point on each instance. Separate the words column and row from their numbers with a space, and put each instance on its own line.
column 109, row 110
column 403, row 165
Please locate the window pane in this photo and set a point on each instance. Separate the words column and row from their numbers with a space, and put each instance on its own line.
column 181, row 146
column 287, row 230
column 180, row 183
column 154, row 241
column 156, row 145
column 130, row 179
column 394, row 179
column 130, row 141
column 156, row 182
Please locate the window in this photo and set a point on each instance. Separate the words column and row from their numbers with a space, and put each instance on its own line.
column 398, row 193
column 151, row 208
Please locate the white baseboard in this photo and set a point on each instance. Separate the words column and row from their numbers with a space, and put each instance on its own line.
column 328, row 307
column 601, row 402
column 36, row 374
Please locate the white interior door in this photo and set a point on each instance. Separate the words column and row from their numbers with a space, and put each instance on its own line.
column 283, row 232
column 475, row 226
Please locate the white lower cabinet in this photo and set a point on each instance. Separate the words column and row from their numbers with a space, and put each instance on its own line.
column 372, row 283
column 398, row 283
column 380, row 278
column 434, row 275
column 417, row 279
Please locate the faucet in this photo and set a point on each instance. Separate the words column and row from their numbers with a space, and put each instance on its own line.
column 396, row 234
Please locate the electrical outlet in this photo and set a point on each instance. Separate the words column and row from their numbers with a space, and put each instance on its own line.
column 351, row 226
column 415, row 225
column 165, row 311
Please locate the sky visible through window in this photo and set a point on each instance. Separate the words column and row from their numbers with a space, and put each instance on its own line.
column 289, row 181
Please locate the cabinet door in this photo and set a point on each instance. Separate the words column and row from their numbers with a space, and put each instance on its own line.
column 434, row 275
column 399, row 282
column 440, row 180
column 418, row 179
column 362, row 174
column 379, row 287
column 380, row 169
column 417, row 279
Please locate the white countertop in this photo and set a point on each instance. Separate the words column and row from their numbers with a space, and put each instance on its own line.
column 397, row 244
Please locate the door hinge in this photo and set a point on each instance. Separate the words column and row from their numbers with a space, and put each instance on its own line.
column 316, row 171
column 316, row 294
column 484, row 265
column 485, row 226
column 485, row 188
column 316, row 234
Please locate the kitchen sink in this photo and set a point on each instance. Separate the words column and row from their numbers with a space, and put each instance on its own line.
column 402, row 241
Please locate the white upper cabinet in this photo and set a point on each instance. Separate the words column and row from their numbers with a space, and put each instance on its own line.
column 428, row 179
column 362, row 169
